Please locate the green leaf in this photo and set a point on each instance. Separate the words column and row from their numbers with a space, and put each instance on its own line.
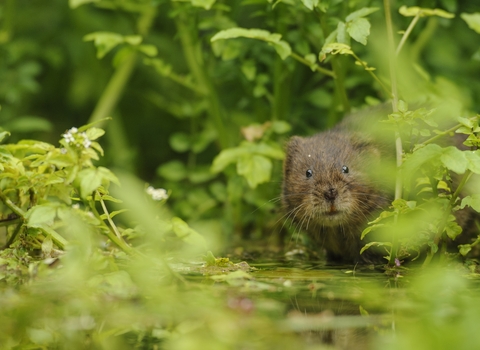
column 473, row 20
column 133, row 39
column 187, row 234
column 76, row 3
column 227, row 157
column 174, row 170
column 464, row 249
column 149, row 50
column 473, row 201
column 281, row 127
column 255, row 168
column 3, row 134
column 424, row 12
column 206, row 4
column 91, row 179
column 454, row 159
column 473, row 161
column 104, row 41
column 361, row 13
column 453, row 229
column 310, row 4
column 179, row 142
column 334, row 49
column 94, row 133
column 421, row 156
column 359, row 30
column 342, row 36
column 274, row 39
column 41, row 214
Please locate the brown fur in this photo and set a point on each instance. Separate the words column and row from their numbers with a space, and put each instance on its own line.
column 333, row 205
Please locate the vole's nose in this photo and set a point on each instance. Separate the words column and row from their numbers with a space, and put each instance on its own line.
column 330, row 194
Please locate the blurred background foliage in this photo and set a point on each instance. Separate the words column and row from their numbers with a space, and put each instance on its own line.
column 177, row 99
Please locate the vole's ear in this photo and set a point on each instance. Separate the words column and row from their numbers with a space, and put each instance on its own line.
column 293, row 144
column 292, row 150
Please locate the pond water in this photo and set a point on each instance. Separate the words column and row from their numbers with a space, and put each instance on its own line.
column 342, row 307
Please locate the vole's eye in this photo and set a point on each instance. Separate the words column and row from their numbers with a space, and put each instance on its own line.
column 309, row 173
column 345, row 169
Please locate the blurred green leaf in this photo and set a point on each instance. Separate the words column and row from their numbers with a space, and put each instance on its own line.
column 423, row 12
column 187, row 234
column 473, row 20
column 255, row 168
column 174, row 170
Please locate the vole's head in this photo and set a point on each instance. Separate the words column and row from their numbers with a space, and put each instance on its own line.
column 326, row 179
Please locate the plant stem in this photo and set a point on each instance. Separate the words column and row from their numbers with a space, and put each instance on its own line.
column 398, row 139
column 374, row 76
column 309, row 64
column 193, row 56
column 120, row 77
column 407, row 33
column 339, row 84
column 11, row 205
column 114, row 89
column 434, row 138
column 109, row 219
column 14, row 234
column 423, row 38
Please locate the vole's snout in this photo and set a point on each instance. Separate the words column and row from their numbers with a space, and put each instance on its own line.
column 330, row 194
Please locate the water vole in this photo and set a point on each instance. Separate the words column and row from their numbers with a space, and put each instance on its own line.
column 330, row 191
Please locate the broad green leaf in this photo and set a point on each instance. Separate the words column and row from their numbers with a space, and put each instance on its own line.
column 149, row 50
column 76, row 3
column 174, row 170
column 421, row 156
column 47, row 246
column 464, row 249
column 3, row 134
column 187, row 234
column 472, row 201
column 255, row 168
column 473, row 20
column 104, row 41
column 41, row 214
column 361, row 13
column 274, row 39
column 453, row 229
column 94, row 133
column 91, row 179
column 334, row 49
column 454, row 159
column 268, row 151
column 227, row 157
column 281, row 127
column 423, row 12
column 133, row 39
column 359, row 30
column 473, row 161
column 206, row 4
column 342, row 36
column 180, row 142
column 310, row 4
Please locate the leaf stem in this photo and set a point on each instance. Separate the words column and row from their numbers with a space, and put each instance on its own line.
column 309, row 64
column 443, row 133
column 407, row 33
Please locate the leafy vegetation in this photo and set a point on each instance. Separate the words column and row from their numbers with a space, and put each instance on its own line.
column 196, row 98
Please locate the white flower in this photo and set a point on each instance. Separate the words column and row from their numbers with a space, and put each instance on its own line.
column 73, row 130
column 157, row 194
column 69, row 137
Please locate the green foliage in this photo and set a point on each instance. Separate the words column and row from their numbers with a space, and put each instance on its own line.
column 203, row 110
